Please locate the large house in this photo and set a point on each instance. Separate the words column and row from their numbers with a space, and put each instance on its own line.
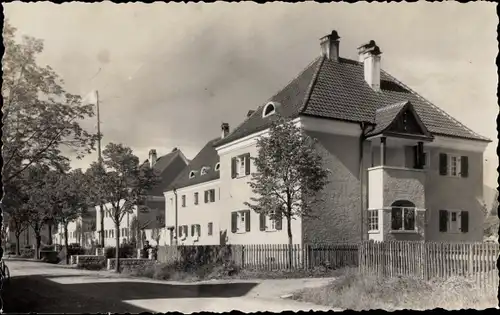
column 168, row 168
column 401, row 167
column 80, row 231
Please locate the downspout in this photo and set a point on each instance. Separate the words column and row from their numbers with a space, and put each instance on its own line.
column 363, row 199
column 176, row 221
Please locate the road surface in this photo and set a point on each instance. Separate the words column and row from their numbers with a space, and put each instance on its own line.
column 44, row 288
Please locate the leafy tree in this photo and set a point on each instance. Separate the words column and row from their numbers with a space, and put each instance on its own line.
column 39, row 116
column 18, row 222
column 94, row 175
column 69, row 200
column 79, row 232
column 12, row 203
column 289, row 175
column 125, row 184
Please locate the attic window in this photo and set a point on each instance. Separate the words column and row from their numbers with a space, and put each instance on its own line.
column 191, row 174
column 204, row 170
column 217, row 167
column 269, row 109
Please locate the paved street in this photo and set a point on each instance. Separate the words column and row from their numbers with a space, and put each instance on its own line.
column 44, row 288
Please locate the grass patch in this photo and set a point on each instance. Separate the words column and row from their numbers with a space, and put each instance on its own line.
column 352, row 291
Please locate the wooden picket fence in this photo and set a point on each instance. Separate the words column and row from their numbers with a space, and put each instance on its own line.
column 430, row 260
column 269, row 257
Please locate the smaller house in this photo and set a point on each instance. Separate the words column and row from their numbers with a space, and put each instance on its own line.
column 81, row 231
column 167, row 167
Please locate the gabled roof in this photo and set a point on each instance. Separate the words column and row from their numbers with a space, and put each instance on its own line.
column 207, row 157
column 338, row 90
column 168, row 167
column 388, row 119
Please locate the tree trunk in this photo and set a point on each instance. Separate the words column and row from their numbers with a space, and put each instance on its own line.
column 50, row 233
column 38, row 240
column 117, row 232
column 101, row 236
column 18, row 244
column 290, row 241
column 66, row 242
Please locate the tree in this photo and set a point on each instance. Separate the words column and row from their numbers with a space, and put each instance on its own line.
column 70, row 199
column 289, row 175
column 79, row 232
column 39, row 116
column 124, row 185
column 18, row 222
column 94, row 175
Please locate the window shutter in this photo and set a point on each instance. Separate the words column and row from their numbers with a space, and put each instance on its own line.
column 247, row 164
column 464, row 221
column 180, row 231
column 279, row 223
column 210, row 228
column 443, row 164
column 198, row 229
column 233, row 167
column 464, row 162
column 234, row 222
column 247, row 220
column 443, row 220
column 206, row 196
column 262, row 220
column 192, row 230
column 186, row 230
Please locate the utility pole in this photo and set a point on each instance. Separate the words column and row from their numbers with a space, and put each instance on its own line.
column 99, row 161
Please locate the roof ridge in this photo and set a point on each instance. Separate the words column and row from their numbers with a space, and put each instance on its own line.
column 434, row 106
column 312, row 83
column 402, row 103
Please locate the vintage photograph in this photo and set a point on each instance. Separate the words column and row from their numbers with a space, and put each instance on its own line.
column 189, row 157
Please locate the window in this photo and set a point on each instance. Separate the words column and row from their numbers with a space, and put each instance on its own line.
column 269, row 109
column 217, row 167
column 159, row 219
column 183, row 201
column 106, row 233
column 453, row 165
column 191, row 174
column 183, row 231
column 268, row 222
column 204, row 170
column 240, row 221
column 195, row 198
column 209, row 195
column 403, row 216
column 372, row 220
column 453, row 221
column 195, row 230
column 210, row 228
column 240, row 165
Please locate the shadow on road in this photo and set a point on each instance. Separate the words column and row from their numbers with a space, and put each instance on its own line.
column 38, row 294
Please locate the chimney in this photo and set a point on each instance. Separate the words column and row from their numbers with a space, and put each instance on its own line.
column 225, row 129
column 330, row 46
column 152, row 157
column 369, row 55
column 250, row 112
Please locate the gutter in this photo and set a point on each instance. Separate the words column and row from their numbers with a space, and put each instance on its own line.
column 176, row 221
column 363, row 200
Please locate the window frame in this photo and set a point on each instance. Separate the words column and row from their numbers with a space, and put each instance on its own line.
column 458, row 165
column 183, row 201
column 271, row 112
column 196, row 198
column 403, row 221
column 241, row 224
column 373, row 220
column 192, row 174
column 203, row 171
column 270, row 222
column 217, row 167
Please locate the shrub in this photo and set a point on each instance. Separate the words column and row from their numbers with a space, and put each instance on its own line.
column 92, row 265
column 126, row 251
column 27, row 253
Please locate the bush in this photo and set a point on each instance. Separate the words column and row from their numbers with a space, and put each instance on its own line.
column 51, row 257
column 92, row 266
column 28, row 253
column 126, row 251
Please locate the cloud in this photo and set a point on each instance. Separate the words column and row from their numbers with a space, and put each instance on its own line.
column 171, row 73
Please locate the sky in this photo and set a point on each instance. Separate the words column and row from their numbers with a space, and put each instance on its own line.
column 169, row 74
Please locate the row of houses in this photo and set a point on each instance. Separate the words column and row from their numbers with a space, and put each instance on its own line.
column 401, row 167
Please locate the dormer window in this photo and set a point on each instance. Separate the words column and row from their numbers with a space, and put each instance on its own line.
column 204, row 170
column 191, row 174
column 269, row 109
column 217, row 167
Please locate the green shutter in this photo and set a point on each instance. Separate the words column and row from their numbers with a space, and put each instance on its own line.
column 464, row 165
column 464, row 224
column 234, row 222
column 443, row 164
column 233, row 167
column 247, row 164
column 262, row 220
column 443, row 220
